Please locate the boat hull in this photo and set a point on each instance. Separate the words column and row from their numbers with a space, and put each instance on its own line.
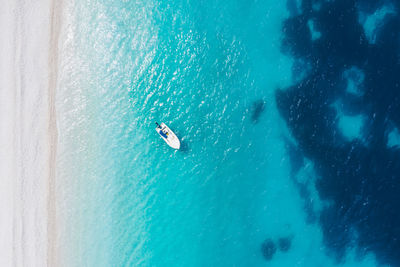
column 168, row 136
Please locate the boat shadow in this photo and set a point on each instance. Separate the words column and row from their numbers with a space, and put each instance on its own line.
column 184, row 147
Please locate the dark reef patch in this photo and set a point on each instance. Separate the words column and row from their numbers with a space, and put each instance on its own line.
column 291, row 5
column 284, row 243
column 361, row 180
column 256, row 110
column 268, row 249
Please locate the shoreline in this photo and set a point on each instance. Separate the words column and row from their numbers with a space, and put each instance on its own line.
column 55, row 24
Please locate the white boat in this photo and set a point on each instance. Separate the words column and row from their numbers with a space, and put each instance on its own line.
column 169, row 136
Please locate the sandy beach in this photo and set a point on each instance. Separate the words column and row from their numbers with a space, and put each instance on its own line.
column 28, row 133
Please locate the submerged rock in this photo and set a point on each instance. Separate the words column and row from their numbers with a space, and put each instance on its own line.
column 256, row 110
column 268, row 249
column 284, row 243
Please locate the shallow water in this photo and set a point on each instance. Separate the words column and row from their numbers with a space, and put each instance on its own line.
column 240, row 192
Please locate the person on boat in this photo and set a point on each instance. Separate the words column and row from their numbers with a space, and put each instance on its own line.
column 165, row 135
column 162, row 133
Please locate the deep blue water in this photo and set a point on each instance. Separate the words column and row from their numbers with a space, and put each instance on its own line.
column 288, row 116
column 360, row 174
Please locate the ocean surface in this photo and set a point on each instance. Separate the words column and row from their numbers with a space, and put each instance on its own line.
column 288, row 114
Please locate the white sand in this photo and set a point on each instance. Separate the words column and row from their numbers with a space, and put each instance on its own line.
column 28, row 135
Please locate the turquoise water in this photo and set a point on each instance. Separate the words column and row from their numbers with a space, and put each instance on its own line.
column 394, row 138
column 129, row 199
column 350, row 125
column 372, row 22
